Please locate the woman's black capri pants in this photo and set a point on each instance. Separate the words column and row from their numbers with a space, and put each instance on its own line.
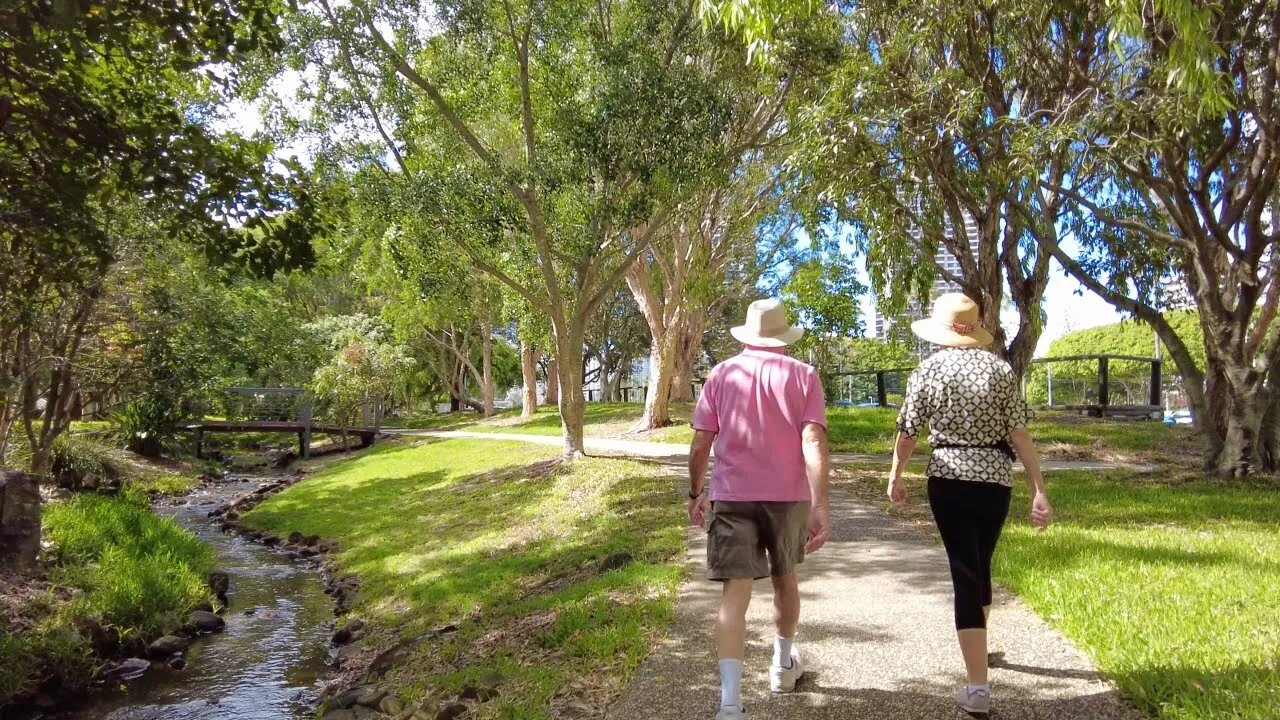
column 970, row 516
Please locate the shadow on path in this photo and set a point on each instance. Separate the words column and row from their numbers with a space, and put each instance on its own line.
column 877, row 638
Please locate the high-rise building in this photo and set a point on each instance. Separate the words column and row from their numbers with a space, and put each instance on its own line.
column 889, row 326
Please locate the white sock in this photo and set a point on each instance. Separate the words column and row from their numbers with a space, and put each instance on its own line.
column 782, row 651
column 985, row 689
column 730, row 683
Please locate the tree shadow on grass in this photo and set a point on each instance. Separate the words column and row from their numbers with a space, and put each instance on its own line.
column 1235, row 690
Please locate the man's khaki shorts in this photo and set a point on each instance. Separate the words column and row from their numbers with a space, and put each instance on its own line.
column 741, row 534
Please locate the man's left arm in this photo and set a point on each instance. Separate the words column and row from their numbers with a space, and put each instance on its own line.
column 699, row 459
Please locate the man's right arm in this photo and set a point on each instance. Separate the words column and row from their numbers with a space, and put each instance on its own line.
column 817, row 463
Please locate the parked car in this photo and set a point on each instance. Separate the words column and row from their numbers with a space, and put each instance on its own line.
column 1178, row 417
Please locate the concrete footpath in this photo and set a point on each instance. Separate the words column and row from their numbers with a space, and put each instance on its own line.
column 876, row 632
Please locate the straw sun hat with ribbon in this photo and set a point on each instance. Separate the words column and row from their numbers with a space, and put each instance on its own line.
column 954, row 323
column 767, row 325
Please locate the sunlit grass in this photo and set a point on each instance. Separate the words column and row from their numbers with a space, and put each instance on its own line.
column 853, row 430
column 517, row 548
column 1170, row 588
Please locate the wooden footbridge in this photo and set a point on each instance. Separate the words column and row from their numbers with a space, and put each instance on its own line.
column 282, row 410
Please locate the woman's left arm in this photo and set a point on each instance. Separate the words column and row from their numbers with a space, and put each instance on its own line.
column 1041, row 510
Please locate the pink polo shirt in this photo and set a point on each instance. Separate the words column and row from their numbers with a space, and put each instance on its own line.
column 757, row 403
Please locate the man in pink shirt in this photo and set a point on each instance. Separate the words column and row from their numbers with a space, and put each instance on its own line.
column 765, row 415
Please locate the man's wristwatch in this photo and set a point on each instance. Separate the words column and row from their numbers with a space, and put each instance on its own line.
column 695, row 495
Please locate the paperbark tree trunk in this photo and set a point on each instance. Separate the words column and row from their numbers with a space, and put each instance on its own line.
column 529, row 375
column 662, row 366
column 690, row 345
column 486, row 330
column 552, row 395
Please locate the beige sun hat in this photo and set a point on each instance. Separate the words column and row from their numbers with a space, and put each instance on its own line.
column 955, row 322
column 767, row 325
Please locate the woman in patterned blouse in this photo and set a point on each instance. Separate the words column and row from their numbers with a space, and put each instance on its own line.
column 971, row 402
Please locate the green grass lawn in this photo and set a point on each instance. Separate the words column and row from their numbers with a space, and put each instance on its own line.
column 856, row 430
column 1173, row 589
column 553, row 572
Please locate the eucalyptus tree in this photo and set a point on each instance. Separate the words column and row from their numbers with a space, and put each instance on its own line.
column 529, row 135
column 1192, row 173
column 916, row 143
column 682, row 275
column 105, row 112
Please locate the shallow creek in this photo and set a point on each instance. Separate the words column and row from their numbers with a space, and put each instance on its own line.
column 267, row 663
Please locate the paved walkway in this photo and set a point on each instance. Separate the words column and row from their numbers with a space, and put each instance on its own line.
column 876, row 633
column 675, row 452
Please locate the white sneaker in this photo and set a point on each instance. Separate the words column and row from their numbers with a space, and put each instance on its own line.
column 973, row 701
column 783, row 680
column 731, row 713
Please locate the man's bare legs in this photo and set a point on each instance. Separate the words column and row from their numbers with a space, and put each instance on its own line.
column 731, row 640
column 786, row 604
column 786, row 615
column 731, row 626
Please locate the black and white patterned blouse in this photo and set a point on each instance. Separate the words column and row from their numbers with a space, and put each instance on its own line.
column 968, row 397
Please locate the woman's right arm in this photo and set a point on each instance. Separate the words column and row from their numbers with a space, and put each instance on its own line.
column 1041, row 510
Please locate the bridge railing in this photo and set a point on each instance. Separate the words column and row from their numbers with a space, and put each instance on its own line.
column 281, row 404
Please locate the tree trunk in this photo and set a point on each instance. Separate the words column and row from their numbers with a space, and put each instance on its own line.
column 690, row 345
column 610, row 385
column 552, row 395
column 571, row 402
column 486, row 330
column 529, row 375
column 657, row 401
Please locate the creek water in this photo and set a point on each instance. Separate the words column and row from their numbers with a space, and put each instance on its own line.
column 267, row 664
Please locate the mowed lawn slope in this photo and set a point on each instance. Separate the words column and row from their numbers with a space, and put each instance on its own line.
column 857, row 430
column 1173, row 588
column 559, row 576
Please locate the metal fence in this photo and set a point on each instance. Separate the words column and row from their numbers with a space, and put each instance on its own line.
column 868, row 388
column 1102, row 385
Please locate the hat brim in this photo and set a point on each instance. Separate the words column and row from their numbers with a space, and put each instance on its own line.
column 939, row 334
column 746, row 337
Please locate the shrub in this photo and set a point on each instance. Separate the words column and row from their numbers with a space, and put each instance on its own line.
column 73, row 458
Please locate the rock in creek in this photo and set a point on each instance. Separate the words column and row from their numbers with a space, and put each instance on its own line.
column 366, row 695
column 130, row 669
column 219, row 583
column 206, row 621
column 167, row 645
column 344, row 634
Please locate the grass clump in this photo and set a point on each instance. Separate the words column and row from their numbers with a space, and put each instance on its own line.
column 51, row 649
column 1169, row 587
column 74, row 457
column 113, row 563
column 139, row 572
column 553, row 572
